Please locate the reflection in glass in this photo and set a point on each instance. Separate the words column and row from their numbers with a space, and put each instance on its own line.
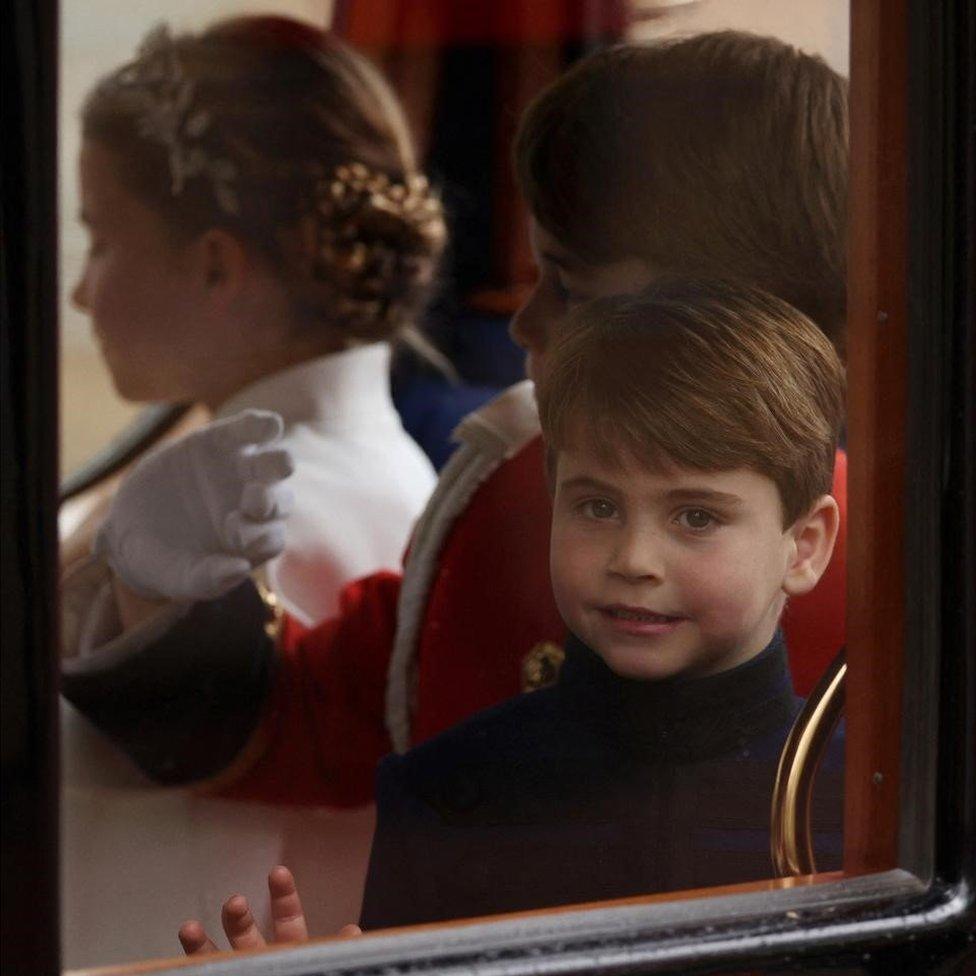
column 530, row 805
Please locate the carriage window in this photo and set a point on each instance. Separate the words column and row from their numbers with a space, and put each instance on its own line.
column 631, row 698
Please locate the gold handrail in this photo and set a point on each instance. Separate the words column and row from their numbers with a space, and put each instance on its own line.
column 791, row 843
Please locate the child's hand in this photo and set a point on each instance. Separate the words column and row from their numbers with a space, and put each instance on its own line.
column 287, row 917
column 194, row 517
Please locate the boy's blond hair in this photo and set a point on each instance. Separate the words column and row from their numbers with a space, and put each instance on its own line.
column 708, row 375
column 717, row 155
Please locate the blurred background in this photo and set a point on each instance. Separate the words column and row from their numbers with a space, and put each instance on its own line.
column 465, row 71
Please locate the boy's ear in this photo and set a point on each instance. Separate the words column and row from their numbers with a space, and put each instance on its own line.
column 814, row 535
column 223, row 263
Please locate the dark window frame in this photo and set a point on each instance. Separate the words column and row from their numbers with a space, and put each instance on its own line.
column 916, row 918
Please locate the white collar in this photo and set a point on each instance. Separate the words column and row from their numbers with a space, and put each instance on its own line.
column 331, row 389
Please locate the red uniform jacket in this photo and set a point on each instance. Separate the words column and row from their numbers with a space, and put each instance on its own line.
column 410, row 656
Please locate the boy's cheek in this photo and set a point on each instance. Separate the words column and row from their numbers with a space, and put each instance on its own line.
column 730, row 609
column 569, row 587
column 534, row 367
column 568, row 608
column 574, row 565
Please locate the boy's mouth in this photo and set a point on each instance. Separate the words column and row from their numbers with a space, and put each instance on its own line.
column 621, row 612
column 638, row 620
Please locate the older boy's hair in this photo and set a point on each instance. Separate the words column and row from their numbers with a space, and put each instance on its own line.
column 717, row 155
column 708, row 375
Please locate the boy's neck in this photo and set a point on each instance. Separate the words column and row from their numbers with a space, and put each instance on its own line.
column 680, row 719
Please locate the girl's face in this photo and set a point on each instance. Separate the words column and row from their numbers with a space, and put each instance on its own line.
column 564, row 282
column 138, row 287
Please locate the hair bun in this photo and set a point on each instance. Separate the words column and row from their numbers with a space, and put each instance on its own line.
column 377, row 243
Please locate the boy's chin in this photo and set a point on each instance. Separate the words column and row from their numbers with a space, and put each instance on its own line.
column 649, row 663
column 641, row 664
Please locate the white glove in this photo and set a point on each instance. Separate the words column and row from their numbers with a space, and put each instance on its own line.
column 193, row 518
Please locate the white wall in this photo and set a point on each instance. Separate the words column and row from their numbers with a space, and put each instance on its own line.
column 815, row 26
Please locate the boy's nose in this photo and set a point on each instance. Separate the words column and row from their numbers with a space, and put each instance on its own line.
column 637, row 556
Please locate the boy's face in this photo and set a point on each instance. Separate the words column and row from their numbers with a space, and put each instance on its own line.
column 563, row 283
column 668, row 571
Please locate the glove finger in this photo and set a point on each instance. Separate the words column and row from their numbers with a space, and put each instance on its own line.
column 257, row 427
column 266, row 544
column 263, row 502
column 256, row 541
column 214, row 575
column 274, row 464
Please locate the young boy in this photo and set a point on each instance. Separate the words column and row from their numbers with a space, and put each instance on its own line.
column 691, row 434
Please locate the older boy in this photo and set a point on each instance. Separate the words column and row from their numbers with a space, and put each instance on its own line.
column 691, row 435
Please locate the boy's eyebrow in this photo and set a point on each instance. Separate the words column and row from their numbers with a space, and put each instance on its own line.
column 706, row 494
column 586, row 483
column 689, row 494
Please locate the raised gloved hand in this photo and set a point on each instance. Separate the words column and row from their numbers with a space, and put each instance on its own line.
column 193, row 518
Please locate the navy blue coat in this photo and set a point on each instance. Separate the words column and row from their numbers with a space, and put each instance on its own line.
column 597, row 787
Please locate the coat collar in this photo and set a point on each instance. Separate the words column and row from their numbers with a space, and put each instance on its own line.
column 679, row 720
column 329, row 391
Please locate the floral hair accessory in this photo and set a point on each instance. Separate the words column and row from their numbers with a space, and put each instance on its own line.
column 352, row 199
column 170, row 117
column 372, row 236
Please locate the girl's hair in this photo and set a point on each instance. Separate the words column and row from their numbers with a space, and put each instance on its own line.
column 720, row 155
column 289, row 139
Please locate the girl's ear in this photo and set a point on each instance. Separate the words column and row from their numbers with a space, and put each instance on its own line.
column 814, row 535
column 223, row 264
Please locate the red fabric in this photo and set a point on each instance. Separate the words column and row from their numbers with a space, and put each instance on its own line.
column 433, row 23
column 325, row 728
column 490, row 603
column 518, row 49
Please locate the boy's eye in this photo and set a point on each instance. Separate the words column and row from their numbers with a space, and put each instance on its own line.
column 599, row 508
column 564, row 293
column 697, row 519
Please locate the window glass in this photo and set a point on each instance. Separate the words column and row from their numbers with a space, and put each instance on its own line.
column 139, row 858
